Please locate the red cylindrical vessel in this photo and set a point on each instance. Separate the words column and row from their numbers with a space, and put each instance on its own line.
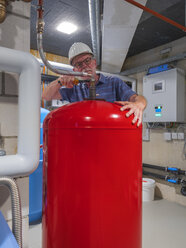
column 92, row 177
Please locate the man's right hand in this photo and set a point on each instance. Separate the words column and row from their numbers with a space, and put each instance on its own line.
column 67, row 81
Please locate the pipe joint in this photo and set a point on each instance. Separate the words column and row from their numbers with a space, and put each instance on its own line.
column 3, row 5
column 40, row 26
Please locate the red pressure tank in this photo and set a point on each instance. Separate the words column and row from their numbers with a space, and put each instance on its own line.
column 92, row 177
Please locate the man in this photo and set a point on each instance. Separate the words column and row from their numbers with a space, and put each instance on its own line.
column 111, row 89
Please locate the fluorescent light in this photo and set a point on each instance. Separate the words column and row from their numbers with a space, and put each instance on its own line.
column 67, row 27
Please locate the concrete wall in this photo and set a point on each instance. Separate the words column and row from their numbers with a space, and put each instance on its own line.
column 15, row 34
column 157, row 151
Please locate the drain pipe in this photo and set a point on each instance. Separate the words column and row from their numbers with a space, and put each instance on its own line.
column 28, row 68
column 174, row 180
column 166, row 169
column 16, row 207
column 94, row 16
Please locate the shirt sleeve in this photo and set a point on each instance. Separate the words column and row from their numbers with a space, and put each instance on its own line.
column 123, row 91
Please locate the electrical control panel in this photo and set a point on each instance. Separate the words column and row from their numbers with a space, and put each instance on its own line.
column 165, row 94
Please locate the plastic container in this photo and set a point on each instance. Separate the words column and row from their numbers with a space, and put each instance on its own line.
column 148, row 189
column 7, row 239
column 36, row 180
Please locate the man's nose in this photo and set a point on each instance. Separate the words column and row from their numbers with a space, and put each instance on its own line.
column 84, row 65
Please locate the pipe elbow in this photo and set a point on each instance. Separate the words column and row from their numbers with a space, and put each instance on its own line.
column 30, row 163
column 31, row 62
column 19, row 164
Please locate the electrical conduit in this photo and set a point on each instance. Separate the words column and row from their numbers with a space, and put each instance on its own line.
column 16, row 208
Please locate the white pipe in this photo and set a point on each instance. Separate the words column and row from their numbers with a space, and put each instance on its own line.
column 27, row 158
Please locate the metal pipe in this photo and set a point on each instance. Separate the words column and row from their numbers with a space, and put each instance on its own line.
column 28, row 68
column 16, row 208
column 159, row 62
column 50, row 67
column 40, row 30
column 94, row 16
column 157, row 15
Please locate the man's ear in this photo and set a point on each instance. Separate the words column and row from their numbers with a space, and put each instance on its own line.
column 94, row 61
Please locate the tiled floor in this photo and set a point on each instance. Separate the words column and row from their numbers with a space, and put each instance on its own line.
column 164, row 226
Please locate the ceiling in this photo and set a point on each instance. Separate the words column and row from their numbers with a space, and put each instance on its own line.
column 150, row 32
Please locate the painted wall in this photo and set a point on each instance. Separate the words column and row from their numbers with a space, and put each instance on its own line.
column 157, row 151
column 15, row 34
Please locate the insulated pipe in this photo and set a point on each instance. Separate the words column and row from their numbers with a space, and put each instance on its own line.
column 167, row 169
column 154, row 175
column 16, row 208
column 94, row 16
column 157, row 15
column 27, row 158
column 174, row 180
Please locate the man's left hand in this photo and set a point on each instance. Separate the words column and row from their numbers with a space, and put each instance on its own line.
column 135, row 107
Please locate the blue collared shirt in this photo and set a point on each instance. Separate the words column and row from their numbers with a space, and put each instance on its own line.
column 109, row 88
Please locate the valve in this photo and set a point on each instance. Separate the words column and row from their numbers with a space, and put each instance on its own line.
column 3, row 5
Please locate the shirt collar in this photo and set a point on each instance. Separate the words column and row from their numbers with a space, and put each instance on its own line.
column 101, row 79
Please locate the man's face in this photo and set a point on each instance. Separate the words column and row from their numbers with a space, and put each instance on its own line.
column 85, row 63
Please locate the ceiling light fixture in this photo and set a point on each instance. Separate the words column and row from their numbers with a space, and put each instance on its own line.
column 67, row 27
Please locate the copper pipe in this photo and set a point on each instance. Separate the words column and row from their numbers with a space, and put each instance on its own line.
column 3, row 4
column 183, row 28
column 40, row 21
column 40, row 9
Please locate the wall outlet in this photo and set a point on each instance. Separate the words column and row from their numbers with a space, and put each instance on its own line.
column 174, row 136
column 181, row 136
column 167, row 136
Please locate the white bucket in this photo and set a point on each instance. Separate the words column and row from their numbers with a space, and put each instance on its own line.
column 148, row 189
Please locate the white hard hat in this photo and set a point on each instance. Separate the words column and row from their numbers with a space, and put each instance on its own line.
column 77, row 49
